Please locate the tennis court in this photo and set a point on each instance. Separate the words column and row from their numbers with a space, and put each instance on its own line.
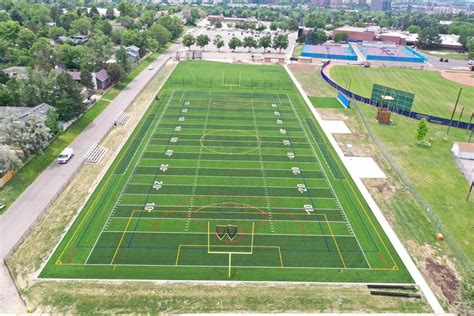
column 219, row 184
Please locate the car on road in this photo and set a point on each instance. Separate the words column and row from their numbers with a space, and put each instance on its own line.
column 65, row 155
column 150, row 67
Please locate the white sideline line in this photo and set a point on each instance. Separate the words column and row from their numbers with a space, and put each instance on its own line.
column 392, row 236
column 218, row 219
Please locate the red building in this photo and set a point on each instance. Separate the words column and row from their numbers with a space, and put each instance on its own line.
column 357, row 34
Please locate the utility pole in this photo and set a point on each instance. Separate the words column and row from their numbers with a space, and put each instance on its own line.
column 454, row 111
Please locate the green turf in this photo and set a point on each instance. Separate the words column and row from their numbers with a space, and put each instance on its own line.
column 434, row 94
column 326, row 102
column 206, row 157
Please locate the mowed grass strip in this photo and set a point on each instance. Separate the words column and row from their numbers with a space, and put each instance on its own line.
column 434, row 94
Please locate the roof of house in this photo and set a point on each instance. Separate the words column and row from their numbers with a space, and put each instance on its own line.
column 133, row 48
column 15, row 69
column 450, row 39
column 24, row 112
column 465, row 147
column 102, row 75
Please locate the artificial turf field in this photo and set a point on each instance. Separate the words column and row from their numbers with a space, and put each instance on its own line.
column 227, row 178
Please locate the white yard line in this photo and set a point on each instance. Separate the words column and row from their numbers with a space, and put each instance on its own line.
column 402, row 252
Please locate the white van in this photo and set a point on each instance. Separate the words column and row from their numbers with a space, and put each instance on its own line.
column 65, row 155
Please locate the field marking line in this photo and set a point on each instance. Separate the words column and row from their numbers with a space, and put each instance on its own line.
column 240, row 196
column 127, row 182
column 230, row 263
column 335, row 242
column 196, row 174
column 203, row 233
column 242, row 220
column 121, row 239
column 232, row 186
column 177, row 255
column 324, row 172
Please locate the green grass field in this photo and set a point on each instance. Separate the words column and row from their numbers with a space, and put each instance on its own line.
column 326, row 102
column 435, row 95
column 227, row 178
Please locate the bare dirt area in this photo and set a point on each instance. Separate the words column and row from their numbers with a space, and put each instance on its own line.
column 462, row 77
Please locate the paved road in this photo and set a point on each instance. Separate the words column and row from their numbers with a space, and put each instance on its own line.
column 18, row 219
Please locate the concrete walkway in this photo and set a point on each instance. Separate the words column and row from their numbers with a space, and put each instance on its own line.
column 16, row 222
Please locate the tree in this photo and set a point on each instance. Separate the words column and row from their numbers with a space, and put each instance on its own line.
column 274, row 26
column 414, row 29
column 43, row 53
column 8, row 160
column 122, row 59
column 52, row 121
column 81, row 26
column 280, row 42
column 104, row 26
column 421, row 130
column 429, row 38
column 110, row 14
column 249, row 42
column 67, row 97
column 218, row 42
column 34, row 135
column 265, row 42
column 172, row 24
column 25, row 38
column 86, row 77
column 9, row 30
column 218, row 25
column 234, row 43
column 202, row 40
column 341, row 37
column 55, row 32
column 188, row 41
column 315, row 37
column 115, row 72
column 160, row 34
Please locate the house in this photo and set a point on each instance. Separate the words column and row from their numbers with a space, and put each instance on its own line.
column 101, row 79
column 50, row 24
column 463, row 150
column 133, row 54
column 24, row 112
column 16, row 72
column 79, row 39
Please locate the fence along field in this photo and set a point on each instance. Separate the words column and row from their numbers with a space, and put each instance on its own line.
column 227, row 183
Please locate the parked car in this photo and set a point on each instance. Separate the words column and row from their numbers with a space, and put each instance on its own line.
column 65, row 155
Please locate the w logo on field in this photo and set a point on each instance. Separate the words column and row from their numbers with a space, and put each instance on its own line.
column 226, row 230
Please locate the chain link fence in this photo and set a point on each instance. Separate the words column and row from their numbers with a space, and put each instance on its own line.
column 424, row 205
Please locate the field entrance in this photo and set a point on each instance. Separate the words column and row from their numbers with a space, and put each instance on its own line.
column 218, row 185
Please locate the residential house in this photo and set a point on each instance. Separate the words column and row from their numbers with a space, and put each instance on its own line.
column 16, row 72
column 133, row 54
column 101, row 79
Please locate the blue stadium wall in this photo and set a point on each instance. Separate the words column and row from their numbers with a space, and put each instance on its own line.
column 411, row 114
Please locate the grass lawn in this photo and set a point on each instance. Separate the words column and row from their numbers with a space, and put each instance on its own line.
column 227, row 179
column 309, row 77
column 435, row 95
column 326, row 102
column 433, row 172
column 34, row 167
column 446, row 54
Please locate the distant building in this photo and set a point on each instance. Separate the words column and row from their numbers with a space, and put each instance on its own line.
column 357, row 34
column 451, row 41
column 16, row 72
column 75, row 40
column 224, row 19
column 394, row 37
column 381, row 5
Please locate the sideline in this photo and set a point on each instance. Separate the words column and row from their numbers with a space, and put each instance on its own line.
column 402, row 252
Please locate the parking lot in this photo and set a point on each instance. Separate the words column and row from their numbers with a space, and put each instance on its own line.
column 227, row 33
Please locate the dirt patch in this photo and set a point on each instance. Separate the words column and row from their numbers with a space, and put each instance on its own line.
column 461, row 77
column 444, row 278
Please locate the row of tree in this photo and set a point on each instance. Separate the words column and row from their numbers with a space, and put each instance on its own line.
column 278, row 42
